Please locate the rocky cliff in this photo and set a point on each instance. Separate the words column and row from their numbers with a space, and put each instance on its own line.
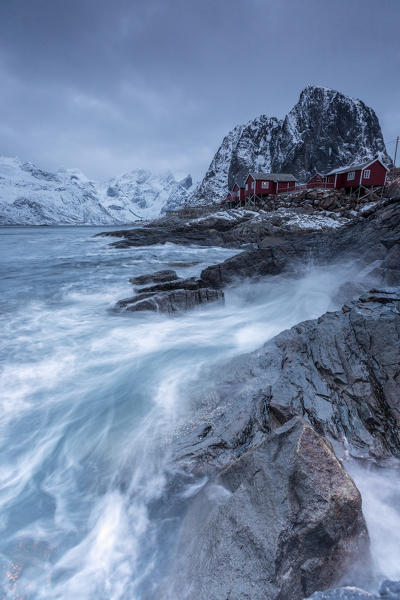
column 324, row 130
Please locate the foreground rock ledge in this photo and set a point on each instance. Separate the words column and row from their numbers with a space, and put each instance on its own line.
column 389, row 590
column 340, row 372
column 279, row 523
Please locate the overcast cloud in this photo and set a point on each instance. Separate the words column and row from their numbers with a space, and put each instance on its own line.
column 107, row 86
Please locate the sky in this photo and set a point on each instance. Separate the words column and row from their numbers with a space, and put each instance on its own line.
column 108, row 86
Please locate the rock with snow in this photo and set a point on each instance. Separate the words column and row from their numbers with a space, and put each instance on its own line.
column 324, row 130
column 32, row 196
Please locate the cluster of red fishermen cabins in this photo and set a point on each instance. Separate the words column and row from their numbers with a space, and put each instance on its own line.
column 258, row 185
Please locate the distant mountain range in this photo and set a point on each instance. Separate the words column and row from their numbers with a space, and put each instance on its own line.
column 31, row 196
column 324, row 130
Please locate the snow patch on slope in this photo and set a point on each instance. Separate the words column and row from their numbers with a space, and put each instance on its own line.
column 32, row 196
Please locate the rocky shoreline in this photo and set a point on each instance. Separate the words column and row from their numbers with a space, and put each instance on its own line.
column 278, row 518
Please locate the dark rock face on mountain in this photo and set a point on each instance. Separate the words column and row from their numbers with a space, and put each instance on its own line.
column 282, row 521
column 324, row 130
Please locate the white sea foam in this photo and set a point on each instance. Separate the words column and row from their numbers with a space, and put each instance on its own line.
column 89, row 401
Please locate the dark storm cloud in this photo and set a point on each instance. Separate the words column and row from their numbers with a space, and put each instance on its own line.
column 107, row 86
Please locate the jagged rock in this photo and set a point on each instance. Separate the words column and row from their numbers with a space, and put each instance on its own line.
column 393, row 189
column 344, row 593
column 187, row 284
column 389, row 590
column 324, row 130
column 157, row 277
column 282, row 521
column 367, row 238
column 170, row 301
column 340, row 372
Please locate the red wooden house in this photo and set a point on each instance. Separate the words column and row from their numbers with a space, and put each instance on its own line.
column 368, row 174
column 262, row 184
column 320, row 180
column 242, row 197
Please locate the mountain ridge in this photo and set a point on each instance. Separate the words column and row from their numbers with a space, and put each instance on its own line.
column 324, row 129
column 30, row 195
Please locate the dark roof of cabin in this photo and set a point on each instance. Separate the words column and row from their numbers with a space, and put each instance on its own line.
column 356, row 167
column 273, row 176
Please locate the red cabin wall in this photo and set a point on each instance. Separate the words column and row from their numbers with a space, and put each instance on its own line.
column 315, row 179
column 347, row 183
column 248, row 182
column 285, row 186
column 378, row 174
column 264, row 192
column 241, row 194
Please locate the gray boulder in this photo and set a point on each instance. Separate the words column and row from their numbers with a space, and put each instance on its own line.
column 157, row 277
column 279, row 523
column 172, row 301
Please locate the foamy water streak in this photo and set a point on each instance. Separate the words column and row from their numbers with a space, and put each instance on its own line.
column 89, row 400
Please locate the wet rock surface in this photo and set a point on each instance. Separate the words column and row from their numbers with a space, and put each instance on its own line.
column 282, row 215
column 366, row 239
column 389, row 590
column 279, row 523
column 170, row 297
column 157, row 277
column 278, row 518
column 340, row 372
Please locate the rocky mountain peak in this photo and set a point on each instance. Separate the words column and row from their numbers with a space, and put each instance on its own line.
column 324, row 130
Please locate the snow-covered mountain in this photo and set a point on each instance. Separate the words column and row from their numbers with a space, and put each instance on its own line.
column 32, row 196
column 140, row 194
column 324, row 130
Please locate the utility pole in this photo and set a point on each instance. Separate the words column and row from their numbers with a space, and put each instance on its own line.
column 395, row 152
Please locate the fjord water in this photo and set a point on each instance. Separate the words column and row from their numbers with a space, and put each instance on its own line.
column 90, row 398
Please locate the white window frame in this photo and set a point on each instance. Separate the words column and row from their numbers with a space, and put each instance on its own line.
column 351, row 175
column 252, row 185
column 264, row 185
column 247, row 187
column 367, row 174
